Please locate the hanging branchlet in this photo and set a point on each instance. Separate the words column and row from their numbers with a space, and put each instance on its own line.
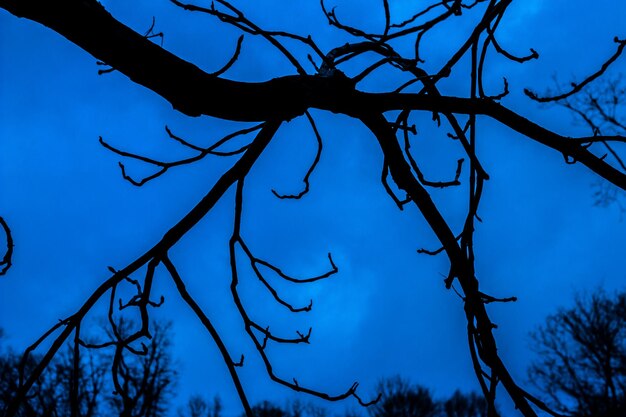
column 418, row 172
column 383, row 179
column 268, row 335
column 7, row 258
column 491, row 38
column 318, row 155
column 270, row 288
column 252, row 327
column 232, row 59
column 577, row 87
column 490, row 299
column 332, row 271
column 436, row 251
column 420, row 175
column 165, row 166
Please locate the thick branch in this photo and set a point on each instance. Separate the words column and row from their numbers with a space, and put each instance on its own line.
column 194, row 92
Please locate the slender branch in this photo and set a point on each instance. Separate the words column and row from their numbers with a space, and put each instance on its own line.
column 318, row 155
column 576, row 87
column 232, row 60
column 6, row 262
column 461, row 267
column 206, row 322
column 251, row 326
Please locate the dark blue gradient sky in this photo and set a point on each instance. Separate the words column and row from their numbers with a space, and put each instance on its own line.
column 387, row 311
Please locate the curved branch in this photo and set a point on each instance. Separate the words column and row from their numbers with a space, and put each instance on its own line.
column 318, row 155
column 460, row 265
column 576, row 87
column 206, row 322
column 7, row 259
column 232, row 59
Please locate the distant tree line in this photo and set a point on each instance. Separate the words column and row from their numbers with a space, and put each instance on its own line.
column 142, row 384
column 399, row 398
column 580, row 369
column 145, row 387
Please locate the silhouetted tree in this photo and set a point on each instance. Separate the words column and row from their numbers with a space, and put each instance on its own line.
column 143, row 381
column 268, row 409
column 465, row 405
column 300, row 408
column 52, row 395
column 331, row 80
column 82, row 387
column 601, row 107
column 295, row 408
column 401, row 399
column 581, row 364
column 198, row 406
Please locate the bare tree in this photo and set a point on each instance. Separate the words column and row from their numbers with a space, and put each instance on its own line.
column 268, row 409
column 198, row 406
column 401, row 399
column 143, row 380
column 464, row 405
column 81, row 385
column 319, row 82
column 601, row 107
column 53, row 393
column 581, row 366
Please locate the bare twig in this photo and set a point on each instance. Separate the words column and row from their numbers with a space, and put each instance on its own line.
column 6, row 262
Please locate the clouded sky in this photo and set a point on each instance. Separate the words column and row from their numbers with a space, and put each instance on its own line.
column 387, row 312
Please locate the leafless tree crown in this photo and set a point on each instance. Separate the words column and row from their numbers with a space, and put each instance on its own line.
column 319, row 82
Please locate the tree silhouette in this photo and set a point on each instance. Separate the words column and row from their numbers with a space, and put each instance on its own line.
column 143, row 382
column 267, row 409
column 465, row 405
column 198, row 406
column 53, row 393
column 82, row 386
column 582, row 357
column 320, row 82
column 400, row 399
column 601, row 108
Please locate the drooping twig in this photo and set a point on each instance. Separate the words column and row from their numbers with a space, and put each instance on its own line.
column 311, row 169
column 6, row 262
column 232, row 59
column 165, row 166
column 252, row 326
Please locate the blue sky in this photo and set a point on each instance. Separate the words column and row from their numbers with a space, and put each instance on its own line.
column 387, row 311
